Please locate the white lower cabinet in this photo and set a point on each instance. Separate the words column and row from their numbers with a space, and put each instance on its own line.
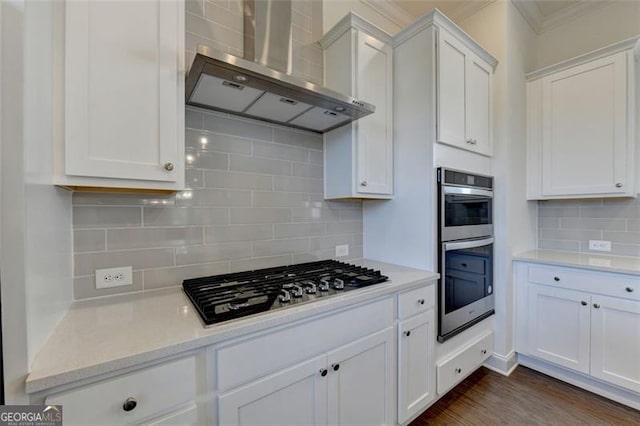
column 416, row 372
column 347, row 386
column 467, row 360
column 163, row 394
column 565, row 318
column 295, row 396
column 559, row 326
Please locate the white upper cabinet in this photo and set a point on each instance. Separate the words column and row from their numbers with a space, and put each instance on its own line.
column 581, row 128
column 464, row 101
column 123, row 95
column 359, row 156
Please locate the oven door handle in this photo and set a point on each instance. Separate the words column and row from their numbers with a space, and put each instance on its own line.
column 467, row 244
column 467, row 191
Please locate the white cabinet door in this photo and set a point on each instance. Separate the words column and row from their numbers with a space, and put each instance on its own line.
column 295, row 396
column 615, row 341
column 124, row 101
column 451, row 96
column 374, row 138
column 464, row 100
column 416, row 367
column 478, row 105
column 586, row 129
column 559, row 326
column 361, row 381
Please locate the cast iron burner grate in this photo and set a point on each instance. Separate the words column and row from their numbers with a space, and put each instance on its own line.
column 225, row 297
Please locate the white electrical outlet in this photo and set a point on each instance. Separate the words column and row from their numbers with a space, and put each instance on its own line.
column 599, row 245
column 342, row 250
column 114, row 277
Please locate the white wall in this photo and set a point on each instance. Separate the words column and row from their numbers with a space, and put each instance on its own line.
column 603, row 26
column 35, row 220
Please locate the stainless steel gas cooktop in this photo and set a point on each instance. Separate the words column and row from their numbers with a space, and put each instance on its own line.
column 225, row 297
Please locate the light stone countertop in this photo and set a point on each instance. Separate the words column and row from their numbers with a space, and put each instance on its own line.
column 599, row 262
column 104, row 335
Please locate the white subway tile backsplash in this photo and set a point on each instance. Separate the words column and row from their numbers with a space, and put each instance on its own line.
column 190, row 255
column 307, row 170
column 260, row 262
column 228, row 233
column 315, row 214
column 214, row 197
column 87, row 263
column 297, row 184
column 89, row 240
column 260, row 215
column 220, row 123
column 233, row 180
column 106, row 216
column 118, row 239
column 570, row 224
column 284, row 230
column 298, row 138
column 207, row 141
column 280, row 151
column 223, row 16
column 283, row 246
column 208, row 160
column 185, row 216
column 243, row 163
column 280, row 199
column 171, row 277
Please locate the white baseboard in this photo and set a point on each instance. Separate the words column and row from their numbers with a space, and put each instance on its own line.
column 614, row 393
column 502, row 364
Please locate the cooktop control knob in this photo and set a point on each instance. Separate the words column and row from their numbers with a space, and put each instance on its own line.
column 310, row 287
column 284, row 296
column 324, row 285
column 297, row 291
column 338, row 284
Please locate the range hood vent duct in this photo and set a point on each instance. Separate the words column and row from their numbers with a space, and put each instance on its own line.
column 260, row 86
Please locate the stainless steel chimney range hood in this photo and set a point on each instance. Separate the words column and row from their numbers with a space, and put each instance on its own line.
column 224, row 82
column 227, row 83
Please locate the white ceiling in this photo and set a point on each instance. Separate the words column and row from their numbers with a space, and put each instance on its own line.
column 541, row 14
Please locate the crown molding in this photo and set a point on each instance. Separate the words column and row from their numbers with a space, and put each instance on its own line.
column 632, row 43
column 390, row 10
column 353, row 20
column 540, row 23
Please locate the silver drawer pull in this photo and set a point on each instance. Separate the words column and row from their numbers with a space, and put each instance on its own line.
column 420, row 301
column 629, row 289
column 129, row 404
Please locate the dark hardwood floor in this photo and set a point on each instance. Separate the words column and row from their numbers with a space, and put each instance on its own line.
column 524, row 398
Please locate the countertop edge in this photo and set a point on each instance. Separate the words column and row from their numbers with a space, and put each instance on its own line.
column 532, row 256
column 37, row 383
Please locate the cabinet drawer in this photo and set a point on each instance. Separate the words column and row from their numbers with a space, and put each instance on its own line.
column 416, row 301
column 463, row 363
column 156, row 389
column 254, row 357
column 615, row 285
column 461, row 262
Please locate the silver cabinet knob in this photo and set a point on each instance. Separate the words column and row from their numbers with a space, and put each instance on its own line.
column 470, row 141
column 420, row 301
column 596, row 305
column 363, row 183
column 168, row 166
column 583, row 303
column 629, row 289
column 458, row 370
column 618, row 185
column 407, row 333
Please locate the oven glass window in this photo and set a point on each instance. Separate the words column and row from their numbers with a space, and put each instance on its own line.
column 468, row 276
column 463, row 210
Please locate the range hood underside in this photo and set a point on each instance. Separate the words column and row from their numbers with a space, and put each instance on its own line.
column 226, row 83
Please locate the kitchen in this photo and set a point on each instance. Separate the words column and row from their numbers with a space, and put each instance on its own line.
column 225, row 194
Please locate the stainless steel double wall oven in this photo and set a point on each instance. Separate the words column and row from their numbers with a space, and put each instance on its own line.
column 465, row 214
